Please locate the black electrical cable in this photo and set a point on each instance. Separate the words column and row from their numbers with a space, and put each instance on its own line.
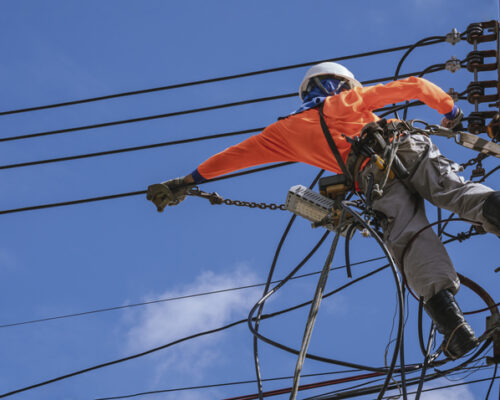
column 345, row 393
column 325, row 359
column 155, row 349
column 452, row 385
column 492, row 381
column 136, row 193
column 212, row 80
column 156, row 145
column 402, row 367
column 161, row 144
column 218, row 330
column 489, row 174
column 359, row 385
column 266, row 289
column 375, row 389
column 432, row 331
column 420, row 325
column 347, row 252
column 168, row 115
column 128, row 396
column 399, row 289
column 402, row 358
column 129, row 149
column 257, row 321
column 432, row 68
column 350, row 283
column 147, row 118
column 312, row 356
column 267, row 293
column 107, row 364
column 115, row 308
column 391, row 109
column 407, row 53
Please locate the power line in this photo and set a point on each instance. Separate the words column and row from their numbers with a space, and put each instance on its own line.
column 100, row 310
column 129, row 194
column 309, row 386
column 128, row 396
column 138, row 355
column 208, row 386
column 173, row 114
column 147, row 118
column 212, row 80
column 129, row 149
column 452, row 385
column 164, row 144
column 107, row 364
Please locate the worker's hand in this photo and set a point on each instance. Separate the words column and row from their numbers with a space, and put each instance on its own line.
column 169, row 193
column 453, row 120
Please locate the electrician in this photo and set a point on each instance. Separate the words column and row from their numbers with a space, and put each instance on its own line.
column 347, row 107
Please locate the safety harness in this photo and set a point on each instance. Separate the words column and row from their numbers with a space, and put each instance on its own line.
column 375, row 143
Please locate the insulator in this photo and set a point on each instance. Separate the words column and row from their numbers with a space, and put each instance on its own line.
column 473, row 91
column 474, row 58
column 474, row 31
column 476, row 123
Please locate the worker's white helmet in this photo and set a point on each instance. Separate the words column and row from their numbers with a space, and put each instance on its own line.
column 327, row 68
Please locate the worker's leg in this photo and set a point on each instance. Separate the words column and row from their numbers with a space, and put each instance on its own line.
column 424, row 260
column 435, row 178
column 427, row 266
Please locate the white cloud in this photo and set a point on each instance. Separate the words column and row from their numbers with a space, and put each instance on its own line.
column 161, row 323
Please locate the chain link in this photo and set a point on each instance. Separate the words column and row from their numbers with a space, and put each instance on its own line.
column 252, row 204
column 215, row 198
column 480, row 157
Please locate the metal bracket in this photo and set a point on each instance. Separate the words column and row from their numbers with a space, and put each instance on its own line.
column 453, row 37
column 214, row 197
column 468, row 140
column 454, row 94
column 474, row 142
column 453, row 65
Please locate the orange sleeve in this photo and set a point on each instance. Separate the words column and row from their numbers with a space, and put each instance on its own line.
column 412, row 88
column 267, row 147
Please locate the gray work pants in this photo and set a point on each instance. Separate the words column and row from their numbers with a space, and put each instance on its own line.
column 427, row 265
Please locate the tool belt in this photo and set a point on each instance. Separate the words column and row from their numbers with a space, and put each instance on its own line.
column 375, row 144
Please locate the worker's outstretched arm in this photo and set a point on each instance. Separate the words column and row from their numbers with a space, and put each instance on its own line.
column 266, row 147
column 413, row 88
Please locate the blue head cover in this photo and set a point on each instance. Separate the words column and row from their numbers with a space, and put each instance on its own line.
column 316, row 95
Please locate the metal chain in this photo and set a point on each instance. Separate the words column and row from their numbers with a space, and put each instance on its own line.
column 215, row 198
column 252, row 204
column 480, row 157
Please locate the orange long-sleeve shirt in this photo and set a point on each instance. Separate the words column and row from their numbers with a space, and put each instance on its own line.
column 299, row 137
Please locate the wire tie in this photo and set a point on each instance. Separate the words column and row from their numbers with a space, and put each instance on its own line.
column 451, row 337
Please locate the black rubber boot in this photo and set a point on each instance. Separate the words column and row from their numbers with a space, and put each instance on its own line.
column 491, row 209
column 459, row 337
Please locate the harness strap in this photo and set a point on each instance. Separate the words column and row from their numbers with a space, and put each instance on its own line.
column 333, row 146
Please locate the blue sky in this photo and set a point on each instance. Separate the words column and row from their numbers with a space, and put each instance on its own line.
column 73, row 259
